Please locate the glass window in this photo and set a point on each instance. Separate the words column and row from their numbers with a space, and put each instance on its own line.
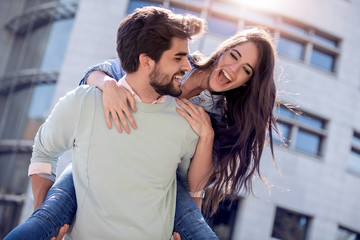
column 15, row 120
column 285, row 112
column 356, row 140
column 57, row 44
column 184, row 11
column 291, row 48
column 311, row 122
column 308, row 130
column 322, row 60
column 354, row 161
column 13, row 172
column 221, row 26
column 290, row 225
column 293, row 27
column 284, row 131
column 9, row 217
column 308, row 142
column 346, row 234
column 325, row 41
column 354, row 156
column 41, row 101
column 222, row 223
column 133, row 4
column 39, row 109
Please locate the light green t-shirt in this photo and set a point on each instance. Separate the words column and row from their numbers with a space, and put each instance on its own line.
column 125, row 183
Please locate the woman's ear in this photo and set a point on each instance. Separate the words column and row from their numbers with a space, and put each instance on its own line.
column 146, row 62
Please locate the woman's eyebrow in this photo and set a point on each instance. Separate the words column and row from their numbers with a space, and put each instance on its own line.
column 235, row 50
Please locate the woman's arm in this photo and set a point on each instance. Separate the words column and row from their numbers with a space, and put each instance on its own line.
column 201, row 164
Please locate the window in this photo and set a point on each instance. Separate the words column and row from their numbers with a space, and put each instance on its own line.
column 302, row 132
column 346, row 234
column 40, row 36
column 184, row 10
column 290, row 225
column 222, row 223
column 307, row 44
column 354, row 157
column 13, row 183
column 222, row 26
column 323, row 60
column 133, row 4
column 291, row 48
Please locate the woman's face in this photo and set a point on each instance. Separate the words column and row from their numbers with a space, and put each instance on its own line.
column 234, row 68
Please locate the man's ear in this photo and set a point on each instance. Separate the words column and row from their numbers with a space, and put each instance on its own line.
column 146, row 62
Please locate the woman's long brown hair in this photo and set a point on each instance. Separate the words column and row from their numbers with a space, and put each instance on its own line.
column 240, row 140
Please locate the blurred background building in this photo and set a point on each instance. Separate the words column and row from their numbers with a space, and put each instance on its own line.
column 45, row 46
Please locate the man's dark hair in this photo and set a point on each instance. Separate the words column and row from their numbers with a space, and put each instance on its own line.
column 149, row 31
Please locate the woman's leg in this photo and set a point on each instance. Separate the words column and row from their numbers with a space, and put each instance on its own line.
column 58, row 209
column 189, row 222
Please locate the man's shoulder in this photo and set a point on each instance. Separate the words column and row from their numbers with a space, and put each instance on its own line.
column 82, row 91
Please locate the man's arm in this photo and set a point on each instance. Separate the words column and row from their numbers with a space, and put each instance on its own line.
column 40, row 187
column 53, row 138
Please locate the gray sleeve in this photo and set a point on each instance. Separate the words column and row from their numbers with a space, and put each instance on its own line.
column 58, row 132
column 188, row 150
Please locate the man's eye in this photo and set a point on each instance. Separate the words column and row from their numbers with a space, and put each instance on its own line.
column 178, row 59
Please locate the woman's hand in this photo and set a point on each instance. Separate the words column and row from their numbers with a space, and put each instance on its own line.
column 198, row 119
column 115, row 99
column 63, row 230
column 176, row 236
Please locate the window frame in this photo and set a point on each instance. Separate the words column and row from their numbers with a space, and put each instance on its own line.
column 356, row 149
column 296, row 126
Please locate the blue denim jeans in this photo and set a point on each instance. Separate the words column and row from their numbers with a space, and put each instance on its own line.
column 59, row 208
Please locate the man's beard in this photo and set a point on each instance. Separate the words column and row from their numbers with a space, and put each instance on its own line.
column 156, row 79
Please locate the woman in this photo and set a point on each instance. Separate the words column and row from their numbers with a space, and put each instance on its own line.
column 235, row 86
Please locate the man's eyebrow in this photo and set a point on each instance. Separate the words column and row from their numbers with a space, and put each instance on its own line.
column 181, row 54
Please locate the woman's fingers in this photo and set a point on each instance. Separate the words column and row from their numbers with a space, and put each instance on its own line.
column 177, row 236
column 186, row 106
column 115, row 101
column 63, row 230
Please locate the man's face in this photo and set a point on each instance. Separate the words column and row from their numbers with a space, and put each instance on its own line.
column 165, row 78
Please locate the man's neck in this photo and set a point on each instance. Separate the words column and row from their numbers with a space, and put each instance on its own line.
column 141, row 86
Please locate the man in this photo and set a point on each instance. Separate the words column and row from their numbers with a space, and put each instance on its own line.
column 125, row 184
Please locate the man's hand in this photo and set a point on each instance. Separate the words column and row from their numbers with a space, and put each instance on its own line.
column 63, row 230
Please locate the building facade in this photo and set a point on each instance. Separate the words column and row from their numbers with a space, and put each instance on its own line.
column 47, row 44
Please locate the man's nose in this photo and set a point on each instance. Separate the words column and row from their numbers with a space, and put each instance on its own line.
column 186, row 65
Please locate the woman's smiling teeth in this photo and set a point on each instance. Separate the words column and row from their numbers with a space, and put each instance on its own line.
column 227, row 76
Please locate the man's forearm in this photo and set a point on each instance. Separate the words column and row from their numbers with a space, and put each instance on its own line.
column 40, row 187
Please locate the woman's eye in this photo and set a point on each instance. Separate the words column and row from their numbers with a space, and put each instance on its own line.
column 246, row 71
column 233, row 56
